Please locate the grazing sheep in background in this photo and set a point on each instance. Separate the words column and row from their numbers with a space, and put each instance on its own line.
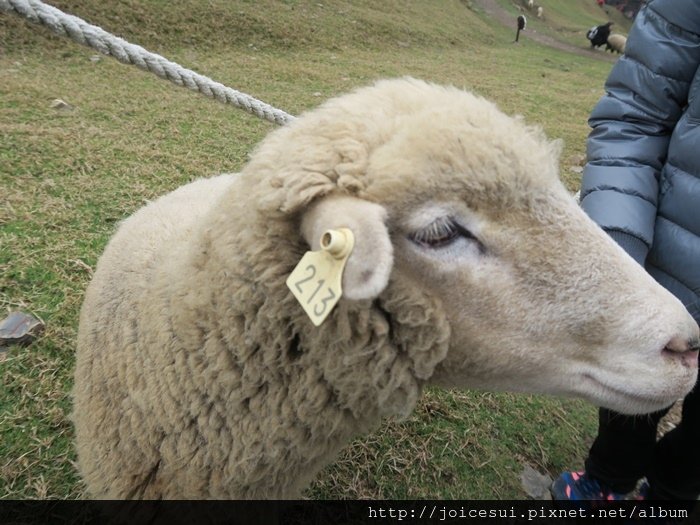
column 599, row 35
column 200, row 376
column 530, row 4
column 616, row 43
column 540, row 12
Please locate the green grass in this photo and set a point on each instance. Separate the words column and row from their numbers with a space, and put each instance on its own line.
column 68, row 177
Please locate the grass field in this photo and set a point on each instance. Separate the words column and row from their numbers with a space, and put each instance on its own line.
column 68, row 176
column 568, row 21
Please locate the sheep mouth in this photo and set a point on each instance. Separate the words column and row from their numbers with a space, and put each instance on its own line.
column 638, row 402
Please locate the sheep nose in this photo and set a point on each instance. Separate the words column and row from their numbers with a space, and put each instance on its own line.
column 686, row 351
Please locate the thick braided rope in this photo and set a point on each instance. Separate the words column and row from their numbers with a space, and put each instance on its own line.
column 99, row 39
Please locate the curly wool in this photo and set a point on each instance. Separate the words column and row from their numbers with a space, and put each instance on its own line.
column 198, row 376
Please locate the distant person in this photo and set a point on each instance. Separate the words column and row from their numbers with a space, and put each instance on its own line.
column 642, row 185
column 521, row 22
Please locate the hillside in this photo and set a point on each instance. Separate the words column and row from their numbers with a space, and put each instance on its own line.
column 563, row 24
column 280, row 25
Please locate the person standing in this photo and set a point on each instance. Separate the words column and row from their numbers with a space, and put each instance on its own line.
column 642, row 185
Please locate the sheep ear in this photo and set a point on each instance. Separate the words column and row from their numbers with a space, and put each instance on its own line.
column 369, row 265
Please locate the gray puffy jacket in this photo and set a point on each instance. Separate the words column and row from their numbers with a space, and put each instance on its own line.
column 642, row 180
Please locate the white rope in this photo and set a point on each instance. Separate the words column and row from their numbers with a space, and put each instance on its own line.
column 97, row 38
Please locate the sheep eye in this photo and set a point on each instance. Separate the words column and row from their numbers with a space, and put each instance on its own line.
column 439, row 233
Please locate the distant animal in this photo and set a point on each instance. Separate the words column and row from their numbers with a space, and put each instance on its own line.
column 540, row 11
column 530, row 4
column 598, row 35
column 616, row 43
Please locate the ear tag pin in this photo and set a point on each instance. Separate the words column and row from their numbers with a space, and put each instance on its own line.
column 316, row 281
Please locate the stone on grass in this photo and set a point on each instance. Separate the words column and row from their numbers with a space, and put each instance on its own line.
column 19, row 328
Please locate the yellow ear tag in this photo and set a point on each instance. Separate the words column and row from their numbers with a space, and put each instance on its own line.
column 316, row 280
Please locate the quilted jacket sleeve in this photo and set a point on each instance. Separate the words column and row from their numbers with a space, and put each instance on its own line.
column 646, row 93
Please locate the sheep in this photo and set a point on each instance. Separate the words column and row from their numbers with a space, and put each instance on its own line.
column 530, row 4
column 616, row 43
column 540, row 12
column 598, row 35
column 198, row 374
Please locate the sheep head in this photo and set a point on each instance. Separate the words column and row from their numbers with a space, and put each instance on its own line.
column 460, row 219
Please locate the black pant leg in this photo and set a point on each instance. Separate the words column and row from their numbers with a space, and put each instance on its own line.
column 675, row 471
column 623, row 451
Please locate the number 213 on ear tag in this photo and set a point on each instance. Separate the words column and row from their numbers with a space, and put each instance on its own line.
column 316, row 280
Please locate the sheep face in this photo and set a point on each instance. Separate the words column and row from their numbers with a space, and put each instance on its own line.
column 464, row 203
column 539, row 301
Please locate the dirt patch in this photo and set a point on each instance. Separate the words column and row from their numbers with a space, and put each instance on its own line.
column 495, row 11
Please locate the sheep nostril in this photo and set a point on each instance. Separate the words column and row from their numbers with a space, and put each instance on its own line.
column 686, row 351
column 678, row 344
